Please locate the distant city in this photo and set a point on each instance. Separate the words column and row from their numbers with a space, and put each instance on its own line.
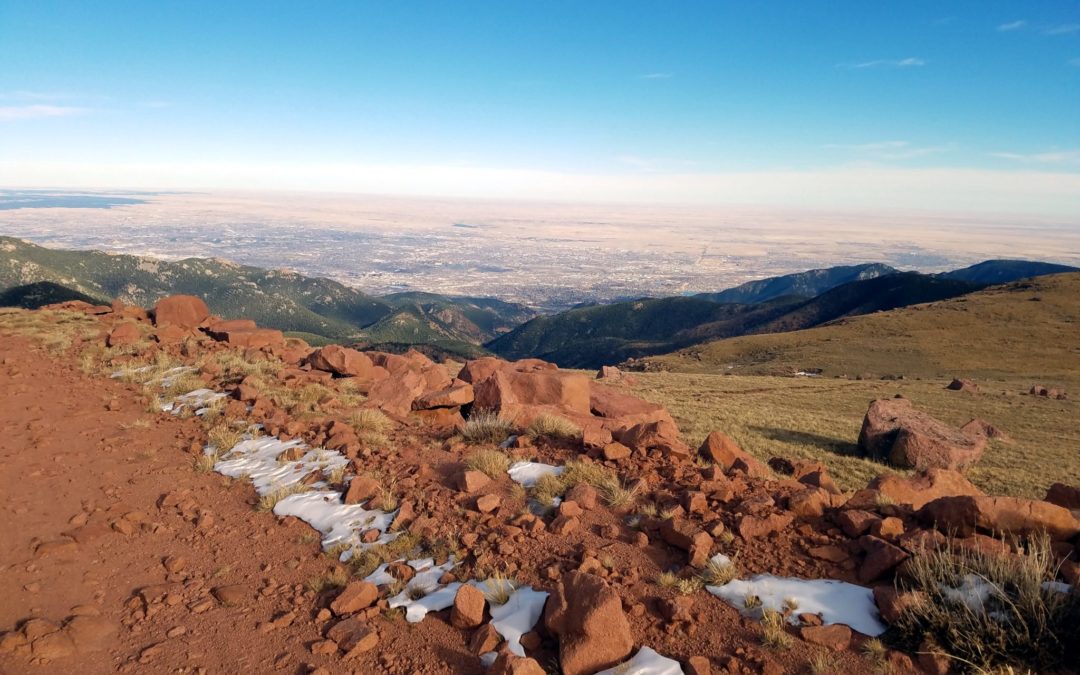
column 550, row 257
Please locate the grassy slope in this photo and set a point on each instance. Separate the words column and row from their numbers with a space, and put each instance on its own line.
column 1002, row 337
column 1027, row 329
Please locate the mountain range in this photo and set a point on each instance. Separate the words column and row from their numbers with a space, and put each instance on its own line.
column 323, row 311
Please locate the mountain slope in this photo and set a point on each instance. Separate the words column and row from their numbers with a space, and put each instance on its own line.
column 1004, row 271
column 807, row 284
column 1024, row 328
column 274, row 298
column 41, row 293
column 589, row 337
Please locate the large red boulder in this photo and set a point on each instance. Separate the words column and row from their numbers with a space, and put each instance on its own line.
column 395, row 395
column 182, row 311
column 458, row 394
column 1064, row 495
column 254, row 338
column 923, row 487
column 627, row 410
column 345, row 362
column 124, row 333
column 895, row 431
column 586, row 614
column 719, row 449
column 662, row 435
column 522, row 395
column 962, row 516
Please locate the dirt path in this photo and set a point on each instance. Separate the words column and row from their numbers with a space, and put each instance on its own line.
column 100, row 500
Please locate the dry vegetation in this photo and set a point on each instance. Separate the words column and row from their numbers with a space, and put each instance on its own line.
column 989, row 611
column 820, row 418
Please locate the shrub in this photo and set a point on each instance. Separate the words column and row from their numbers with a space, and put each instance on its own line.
column 773, row 630
column 719, row 572
column 369, row 420
column 989, row 611
column 485, row 426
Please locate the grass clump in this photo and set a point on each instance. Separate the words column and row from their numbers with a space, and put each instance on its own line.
column 615, row 493
column 553, row 426
column 370, row 420
column 490, row 462
column 498, row 588
column 205, row 463
column 333, row 579
column 485, row 426
column 719, row 572
column 268, row 501
column 667, row 580
column 992, row 611
column 224, row 436
column 773, row 631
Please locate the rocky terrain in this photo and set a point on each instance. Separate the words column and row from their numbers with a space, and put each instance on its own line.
column 192, row 494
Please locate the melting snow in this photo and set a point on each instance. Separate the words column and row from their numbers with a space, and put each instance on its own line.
column 435, row 600
column 257, row 459
column 339, row 523
column 527, row 473
column 646, row 662
column 835, row 601
column 517, row 615
column 198, row 398
column 428, row 573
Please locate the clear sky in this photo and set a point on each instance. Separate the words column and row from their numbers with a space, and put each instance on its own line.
column 936, row 104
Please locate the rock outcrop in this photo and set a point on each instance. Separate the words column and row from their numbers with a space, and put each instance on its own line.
column 586, row 614
column 894, row 431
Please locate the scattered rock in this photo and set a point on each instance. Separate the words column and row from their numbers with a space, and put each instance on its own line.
column 357, row 595
column 1000, row 516
column 836, row 637
column 468, row 611
column 587, row 617
column 182, row 311
column 894, row 431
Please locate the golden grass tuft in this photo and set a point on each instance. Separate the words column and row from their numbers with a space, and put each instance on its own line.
column 330, row 580
column 498, row 588
column 268, row 501
column 367, row 420
column 490, row 462
column 224, row 436
column 553, row 426
column 774, row 630
column 485, row 426
column 718, row 573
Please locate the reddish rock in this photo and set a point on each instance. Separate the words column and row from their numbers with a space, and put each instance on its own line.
column 751, row 527
column 126, row 333
column 484, row 639
column 352, row 636
column 520, row 394
column 836, row 637
column 183, row 311
column 343, row 361
column 923, row 487
column 984, row 429
column 891, row 603
column 564, row 525
column 999, row 516
column 689, row 537
column 470, row 481
column 719, row 449
column 584, row 495
column 453, row 396
column 249, row 338
column 468, row 611
column 616, row 451
column 362, row 488
column 595, row 437
column 508, row 663
column 855, row 522
column 609, row 373
column 357, row 595
column 395, row 395
column 587, row 617
column 487, row 503
column 809, row 503
column 615, row 404
column 894, row 431
column 960, row 384
column 661, row 435
column 881, row 558
column 698, row 665
column 1063, row 495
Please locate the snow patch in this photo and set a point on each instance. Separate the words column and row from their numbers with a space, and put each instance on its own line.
column 338, row 523
column 835, row 601
column 517, row 615
column 527, row 473
column 433, row 601
column 427, row 572
column 199, row 398
column 646, row 662
column 257, row 459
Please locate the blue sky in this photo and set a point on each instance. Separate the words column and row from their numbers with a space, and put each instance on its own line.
column 445, row 97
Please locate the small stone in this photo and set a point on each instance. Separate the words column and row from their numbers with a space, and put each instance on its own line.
column 468, row 611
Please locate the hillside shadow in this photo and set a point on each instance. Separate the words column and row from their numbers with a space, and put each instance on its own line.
column 837, row 446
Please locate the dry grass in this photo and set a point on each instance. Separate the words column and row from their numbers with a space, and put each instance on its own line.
column 370, row 420
column 718, row 573
column 553, row 426
column 490, row 462
column 1019, row 622
column 820, row 418
column 667, row 580
column 224, row 436
column 205, row 463
column 498, row 588
column 484, row 426
column 268, row 501
column 330, row 580
column 774, row 630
